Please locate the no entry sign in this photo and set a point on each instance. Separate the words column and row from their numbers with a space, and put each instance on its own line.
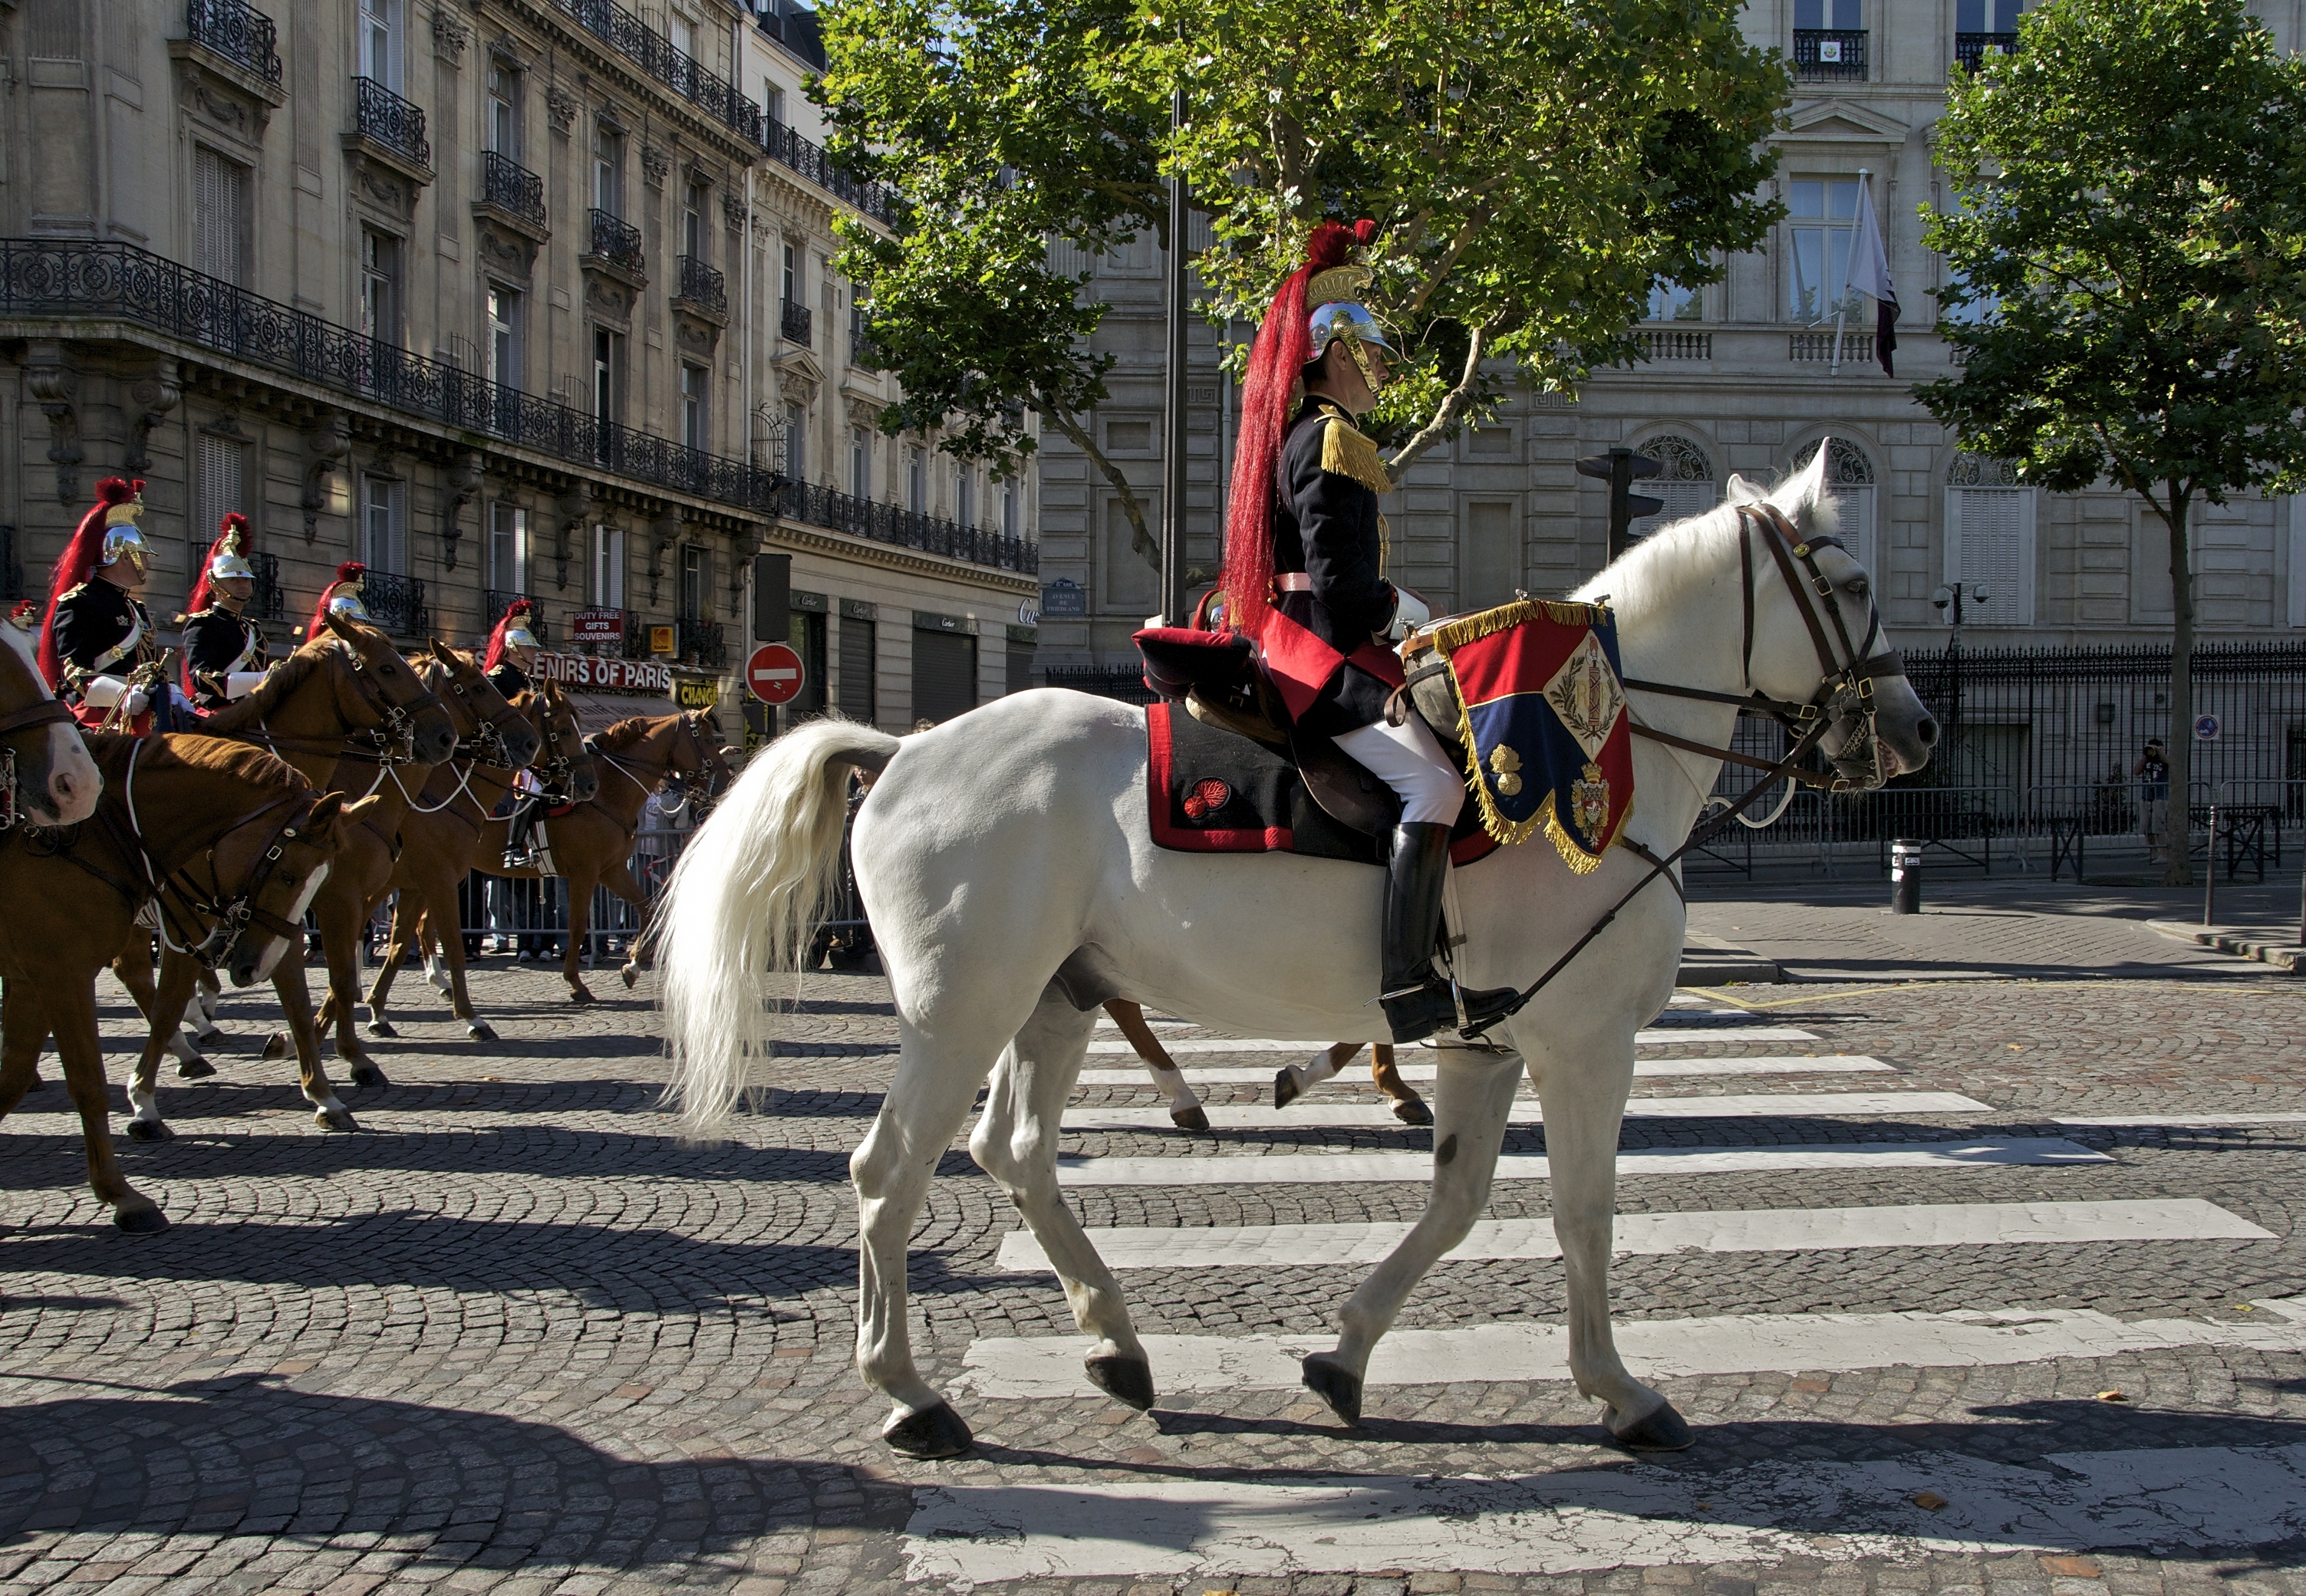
column 774, row 673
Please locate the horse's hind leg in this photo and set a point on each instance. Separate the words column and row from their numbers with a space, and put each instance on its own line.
column 1016, row 1143
column 179, row 977
column 329, row 1111
column 72, row 1010
column 929, row 1097
column 1476, row 1096
column 23, row 1031
column 133, row 968
column 1408, row 1108
column 1185, row 1110
column 396, row 950
column 1293, row 1081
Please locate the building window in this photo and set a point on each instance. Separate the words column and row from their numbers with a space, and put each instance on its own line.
column 1990, row 540
column 860, row 657
column 792, row 283
column 220, row 217
column 916, row 481
column 860, row 463
column 380, row 42
column 384, row 524
column 1825, row 220
column 1842, row 15
column 608, row 369
column 504, row 111
column 608, row 567
column 222, row 486
column 964, row 496
column 504, row 311
column 692, row 405
column 695, row 581
column 1684, row 483
column 507, row 547
column 1670, row 301
column 772, row 103
column 379, row 285
column 1009, row 509
column 607, row 168
column 682, row 34
column 796, row 460
column 1492, row 554
column 694, row 234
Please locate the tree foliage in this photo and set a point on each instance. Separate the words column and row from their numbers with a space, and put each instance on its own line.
column 2128, row 261
column 1534, row 166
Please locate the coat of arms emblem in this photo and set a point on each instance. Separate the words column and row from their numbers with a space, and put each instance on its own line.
column 1589, row 794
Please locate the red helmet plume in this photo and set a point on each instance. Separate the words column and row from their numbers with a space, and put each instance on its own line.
column 511, row 630
column 232, row 538
column 349, row 575
column 74, row 564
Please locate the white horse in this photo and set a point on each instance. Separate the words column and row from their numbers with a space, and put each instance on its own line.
column 1007, row 864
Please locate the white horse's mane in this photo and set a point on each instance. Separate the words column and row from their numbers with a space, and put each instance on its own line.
column 1653, row 573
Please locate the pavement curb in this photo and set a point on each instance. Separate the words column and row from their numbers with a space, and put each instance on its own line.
column 2267, row 947
column 1709, row 962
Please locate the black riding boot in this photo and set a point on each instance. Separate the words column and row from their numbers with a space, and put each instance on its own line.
column 1418, row 1001
column 520, row 836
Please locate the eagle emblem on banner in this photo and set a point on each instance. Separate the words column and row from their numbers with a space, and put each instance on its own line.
column 1542, row 720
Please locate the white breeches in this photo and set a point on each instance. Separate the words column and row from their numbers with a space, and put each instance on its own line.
column 1408, row 759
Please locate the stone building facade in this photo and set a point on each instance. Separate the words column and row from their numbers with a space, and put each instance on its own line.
column 1742, row 377
column 483, row 293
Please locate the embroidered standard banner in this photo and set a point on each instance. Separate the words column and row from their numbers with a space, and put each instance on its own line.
column 1542, row 719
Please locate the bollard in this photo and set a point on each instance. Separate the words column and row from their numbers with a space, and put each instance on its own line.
column 1905, row 877
column 2210, row 873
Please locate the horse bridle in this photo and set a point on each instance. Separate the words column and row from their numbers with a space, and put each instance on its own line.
column 394, row 732
column 1845, row 688
column 672, row 777
column 551, row 771
column 486, row 745
column 47, row 711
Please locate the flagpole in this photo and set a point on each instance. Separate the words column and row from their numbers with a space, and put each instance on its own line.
column 1848, row 264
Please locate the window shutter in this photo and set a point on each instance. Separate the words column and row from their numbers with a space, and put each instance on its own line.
column 397, row 518
column 222, row 484
column 1681, row 499
column 219, row 217
column 858, row 660
column 1853, row 505
column 1990, row 540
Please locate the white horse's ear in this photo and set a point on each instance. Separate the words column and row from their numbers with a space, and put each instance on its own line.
column 1806, row 486
column 1742, row 492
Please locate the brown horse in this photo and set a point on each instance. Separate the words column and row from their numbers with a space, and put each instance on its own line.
column 348, row 712
column 484, row 723
column 223, row 843
column 46, row 777
column 592, row 843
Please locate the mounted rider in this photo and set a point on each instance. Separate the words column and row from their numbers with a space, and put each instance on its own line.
column 342, row 596
column 225, row 652
column 1304, row 577
column 511, row 660
column 98, row 647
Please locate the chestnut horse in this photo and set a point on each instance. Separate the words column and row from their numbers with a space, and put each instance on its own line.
column 223, row 844
column 592, row 843
column 346, row 710
column 46, row 777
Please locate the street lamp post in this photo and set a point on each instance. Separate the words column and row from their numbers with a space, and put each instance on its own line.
column 1172, row 422
column 1948, row 599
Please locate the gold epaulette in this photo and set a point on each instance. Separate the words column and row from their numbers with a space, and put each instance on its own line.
column 1346, row 452
column 70, row 594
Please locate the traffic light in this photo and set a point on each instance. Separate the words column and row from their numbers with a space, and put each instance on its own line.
column 1618, row 468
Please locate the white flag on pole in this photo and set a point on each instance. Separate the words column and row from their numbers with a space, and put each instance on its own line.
column 1869, row 272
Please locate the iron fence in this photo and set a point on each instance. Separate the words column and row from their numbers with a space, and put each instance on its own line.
column 122, row 281
column 512, row 187
column 702, row 643
column 380, row 115
column 498, row 915
column 789, row 149
column 240, row 34
column 268, row 601
column 794, row 322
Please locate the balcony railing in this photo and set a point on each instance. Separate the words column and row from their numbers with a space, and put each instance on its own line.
column 655, row 54
column 119, row 282
column 787, row 147
column 239, row 34
column 1676, row 346
column 512, row 187
column 1855, row 346
column 396, row 603
column 619, row 243
column 391, row 121
column 268, row 602
column 495, row 602
column 1970, row 48
column 862, row 354
column 1830, row 54
column 702, row 286
column 700, row 642
column 796, row 323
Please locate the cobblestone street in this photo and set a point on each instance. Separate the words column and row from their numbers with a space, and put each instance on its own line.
column 1901, row 1242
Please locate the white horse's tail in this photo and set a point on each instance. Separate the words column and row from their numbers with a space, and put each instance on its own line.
column 744, row 900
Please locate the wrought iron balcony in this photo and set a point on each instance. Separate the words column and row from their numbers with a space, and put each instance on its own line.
column 115, row 283
column 703, row 287
column 878, row 200
column 388, row 120
column 619, row 243
column 1970, row 48
column 656, row 55
column 862, row 354
column 1667, row 345
column 512, row 187
column 243, row 36
column 1830, row 54
column 700, row 642
column 268, row 602
column 796, row 323
column 396, row 603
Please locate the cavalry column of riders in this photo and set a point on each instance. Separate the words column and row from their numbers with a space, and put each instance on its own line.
column 212, row 805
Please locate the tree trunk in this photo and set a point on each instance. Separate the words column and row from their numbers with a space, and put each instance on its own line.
column 1140, row 536
column 2178, row 871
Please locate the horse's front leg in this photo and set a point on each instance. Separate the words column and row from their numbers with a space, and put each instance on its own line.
column 1408, row 1108
column 396, row 950
column 343, row 913
column 1473, row 1096
column 580, row 926
column 1185, row 1111
column 1016, row 1143
column 71, row 1011
column 179, row 975
column 1584, row 1100
column 23, row 1031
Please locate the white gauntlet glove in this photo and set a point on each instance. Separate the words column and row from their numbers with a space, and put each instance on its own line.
column 1409, row 613
column 240, row 684
column 102, row 692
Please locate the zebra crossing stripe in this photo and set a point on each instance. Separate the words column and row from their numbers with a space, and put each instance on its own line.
column 1262, row 1116
column 1829, row 1063
column 1672, row 1036
column 1633, row 1163
column 1750, row 1230
column 1215, row 1526
column 1044, row 1367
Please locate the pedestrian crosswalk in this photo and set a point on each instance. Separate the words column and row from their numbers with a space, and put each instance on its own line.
column 1647, row 1068
column 1261, row 1116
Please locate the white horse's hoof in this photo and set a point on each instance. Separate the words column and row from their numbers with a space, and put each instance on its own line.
column 150, row 1130
column 1333, row 1383
column 1661, row 1429
column 933, row 1432
column 1127, row 1380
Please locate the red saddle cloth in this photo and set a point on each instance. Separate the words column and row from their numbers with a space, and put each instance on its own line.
column 1210, row 790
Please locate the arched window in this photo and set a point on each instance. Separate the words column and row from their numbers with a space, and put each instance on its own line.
column 1685, row 484
column 1989, row 539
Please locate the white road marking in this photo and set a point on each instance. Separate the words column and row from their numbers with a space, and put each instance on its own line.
column 1324, row 1168
column 1672, row 1036
column 2179, row 1121
column 1830, row 1063
column 1032, row 1368
column 1262, row 1116
column 1749, row 1230
column 1218, row 1526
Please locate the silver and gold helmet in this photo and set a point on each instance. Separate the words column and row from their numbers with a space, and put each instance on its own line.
column 1342, row 319
column 346, row 601
column 122, row 540
column 520, row 637
column 229, row 562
